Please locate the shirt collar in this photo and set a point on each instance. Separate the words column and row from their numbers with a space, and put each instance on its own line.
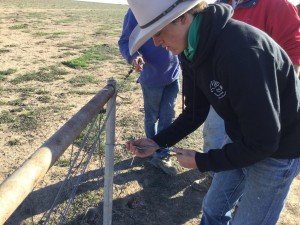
column 243, row 4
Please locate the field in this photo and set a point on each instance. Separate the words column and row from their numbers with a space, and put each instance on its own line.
column 55, row 56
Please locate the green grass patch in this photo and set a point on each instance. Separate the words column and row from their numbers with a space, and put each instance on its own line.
column 55, row 108
column 16, row 110
column 76, row 63
column 40, row 34
column 69, row 19
column 10, row 46
column 50, row 35
column 25, row 91
column 83, row 80
column 6, row 117
column 42, row 92
column 44, row 75
column 63, row 163
column 56, row 35
column 94, row 54
column 44, row 99
column 7, row 72
column 36, row 15
column 19, row 26
column 17, row 102
column 83, row 92
column 70, row 45
column 4, row 50
column 26, row 122
column 13, row 142
column 4, row 73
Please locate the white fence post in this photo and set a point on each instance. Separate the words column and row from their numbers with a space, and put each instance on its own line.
column 109, row 157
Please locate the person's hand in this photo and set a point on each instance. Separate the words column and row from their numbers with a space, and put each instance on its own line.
column 142, row 147
column 138, row 63
column 186, row 157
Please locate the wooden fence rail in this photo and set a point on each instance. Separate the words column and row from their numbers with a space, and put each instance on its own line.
column 17, row 186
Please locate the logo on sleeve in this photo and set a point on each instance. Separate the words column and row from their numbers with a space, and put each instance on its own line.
column 217, row 89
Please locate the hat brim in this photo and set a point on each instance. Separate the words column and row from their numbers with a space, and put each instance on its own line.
column 139, row 36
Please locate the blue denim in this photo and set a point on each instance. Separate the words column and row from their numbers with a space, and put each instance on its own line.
column 159, row 104
column 263, row 186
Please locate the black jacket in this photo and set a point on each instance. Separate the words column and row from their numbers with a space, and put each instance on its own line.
column 250, row 82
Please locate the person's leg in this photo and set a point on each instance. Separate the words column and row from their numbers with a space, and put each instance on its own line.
column 266, row 188
column 226, row 188
column 152, row 98
column 152, row 101
column 167, row 105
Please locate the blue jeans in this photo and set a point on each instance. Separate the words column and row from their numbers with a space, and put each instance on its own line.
column 159, row 104
column 264, row 187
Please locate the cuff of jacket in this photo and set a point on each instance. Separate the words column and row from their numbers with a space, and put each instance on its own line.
column 202, row 162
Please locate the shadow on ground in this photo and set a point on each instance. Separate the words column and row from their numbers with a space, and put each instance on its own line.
column 156, row 198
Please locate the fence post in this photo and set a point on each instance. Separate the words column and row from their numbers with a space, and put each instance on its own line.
column 109, row 157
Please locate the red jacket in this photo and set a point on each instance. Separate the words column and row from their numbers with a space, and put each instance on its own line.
column 278, row 18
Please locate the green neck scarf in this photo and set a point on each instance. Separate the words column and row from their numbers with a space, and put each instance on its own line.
column 193, row 37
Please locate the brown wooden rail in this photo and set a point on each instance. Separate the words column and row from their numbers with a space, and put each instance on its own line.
column 17, row 186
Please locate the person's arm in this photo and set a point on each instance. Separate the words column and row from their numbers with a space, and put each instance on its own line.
column 252, row 87
column 283, row 25
column 128, row 25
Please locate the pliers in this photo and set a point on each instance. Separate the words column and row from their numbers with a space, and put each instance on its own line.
column 161, row 152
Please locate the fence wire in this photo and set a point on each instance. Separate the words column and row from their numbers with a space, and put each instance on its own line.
column 91, row 142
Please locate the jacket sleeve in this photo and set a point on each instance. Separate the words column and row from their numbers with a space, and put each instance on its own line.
column 193, row 115
column 128, row 25
column 252, row 88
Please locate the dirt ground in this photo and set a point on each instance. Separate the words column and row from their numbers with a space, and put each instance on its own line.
column 35, row 34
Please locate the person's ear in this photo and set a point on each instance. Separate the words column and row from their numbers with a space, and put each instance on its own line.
column 184, row 18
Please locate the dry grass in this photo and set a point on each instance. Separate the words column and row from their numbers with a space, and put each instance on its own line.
column 55, row 55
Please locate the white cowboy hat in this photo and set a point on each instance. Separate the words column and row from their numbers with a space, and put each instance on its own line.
column 152, row 16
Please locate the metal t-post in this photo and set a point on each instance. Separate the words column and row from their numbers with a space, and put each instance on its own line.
column 109, row 157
